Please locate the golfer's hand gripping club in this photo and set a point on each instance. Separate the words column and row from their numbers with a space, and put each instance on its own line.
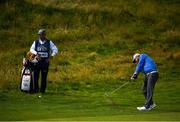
column 134, row 76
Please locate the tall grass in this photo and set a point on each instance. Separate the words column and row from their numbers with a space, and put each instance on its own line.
column 95, row 38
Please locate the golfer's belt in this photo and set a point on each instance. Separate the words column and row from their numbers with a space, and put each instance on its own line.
column 152, row 72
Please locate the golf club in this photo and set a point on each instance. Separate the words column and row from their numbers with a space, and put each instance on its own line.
column 107, row 94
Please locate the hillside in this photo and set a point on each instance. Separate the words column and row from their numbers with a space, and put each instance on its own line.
column 88, row 34
column 96, row 40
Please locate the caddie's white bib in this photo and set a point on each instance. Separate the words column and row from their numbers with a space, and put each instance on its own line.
column 43, row 54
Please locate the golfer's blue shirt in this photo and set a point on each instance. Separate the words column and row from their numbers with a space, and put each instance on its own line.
column 145, row 65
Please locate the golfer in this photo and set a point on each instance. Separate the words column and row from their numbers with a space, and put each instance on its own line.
column 146, row 65
column 43, row 48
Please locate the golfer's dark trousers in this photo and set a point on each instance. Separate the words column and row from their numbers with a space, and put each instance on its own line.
column 148, row 87
column 41, row 67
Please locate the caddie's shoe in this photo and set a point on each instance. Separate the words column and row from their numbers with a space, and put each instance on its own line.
column 143, row 108
column 152, row 106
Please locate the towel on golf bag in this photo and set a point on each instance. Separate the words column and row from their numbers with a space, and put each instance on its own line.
column 27, row 74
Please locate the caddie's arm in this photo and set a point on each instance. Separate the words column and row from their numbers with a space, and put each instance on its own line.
column 53, row 51
column 53, row 48
column 32, row 49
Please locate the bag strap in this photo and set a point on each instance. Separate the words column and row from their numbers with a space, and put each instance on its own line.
column 48, row 41
column 26, row 68
column 36, row 44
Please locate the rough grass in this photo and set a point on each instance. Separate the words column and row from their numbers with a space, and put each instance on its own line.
column 95, row 38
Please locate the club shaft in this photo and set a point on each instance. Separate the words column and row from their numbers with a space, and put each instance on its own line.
column 119, row 87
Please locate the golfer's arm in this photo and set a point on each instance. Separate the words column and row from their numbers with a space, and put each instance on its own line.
column 139, row 67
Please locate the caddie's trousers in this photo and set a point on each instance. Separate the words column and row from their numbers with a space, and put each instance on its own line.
column 41, row 67
column 148, row 87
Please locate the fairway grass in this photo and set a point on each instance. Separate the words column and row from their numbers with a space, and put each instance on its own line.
column 170, row 116
column 91, row 105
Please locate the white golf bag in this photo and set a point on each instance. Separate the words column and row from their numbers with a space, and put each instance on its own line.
column 26, row 79
column 26, row 84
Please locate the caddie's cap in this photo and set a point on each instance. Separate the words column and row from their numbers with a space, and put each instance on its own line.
column 41, row 31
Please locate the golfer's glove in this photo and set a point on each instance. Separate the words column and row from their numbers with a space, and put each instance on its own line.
column 134, row 76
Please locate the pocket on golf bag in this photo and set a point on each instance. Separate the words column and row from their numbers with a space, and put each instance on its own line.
column 26, row 84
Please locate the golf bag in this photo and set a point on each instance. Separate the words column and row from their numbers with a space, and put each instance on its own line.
column 27, row 76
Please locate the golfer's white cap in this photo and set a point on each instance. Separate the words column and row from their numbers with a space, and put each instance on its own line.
column 135, row 56
column 41, row 31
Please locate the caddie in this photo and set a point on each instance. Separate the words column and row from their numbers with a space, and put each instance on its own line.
column 146, row 65
column 44, row 49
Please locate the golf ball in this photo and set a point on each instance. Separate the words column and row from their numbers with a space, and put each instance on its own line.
column 39, row 96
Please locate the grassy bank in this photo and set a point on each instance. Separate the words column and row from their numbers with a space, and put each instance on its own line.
column 95, row 38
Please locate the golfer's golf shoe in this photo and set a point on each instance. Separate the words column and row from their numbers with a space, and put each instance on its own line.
column 152, row 106
column 143, row 108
